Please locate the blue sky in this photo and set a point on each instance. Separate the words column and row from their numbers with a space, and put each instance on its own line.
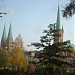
column 31, row 17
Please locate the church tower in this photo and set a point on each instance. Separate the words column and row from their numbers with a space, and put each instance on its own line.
column 58, row 33
column 3, row 40
column 9, row 39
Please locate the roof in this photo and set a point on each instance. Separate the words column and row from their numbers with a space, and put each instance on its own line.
column 4, row 34
column 58, row 19
column 9, row 33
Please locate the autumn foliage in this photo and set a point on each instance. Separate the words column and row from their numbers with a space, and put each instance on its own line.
column 14, row 58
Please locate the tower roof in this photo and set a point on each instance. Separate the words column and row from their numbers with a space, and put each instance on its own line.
column 58, row 19
column 4, row 34
column 9, row 33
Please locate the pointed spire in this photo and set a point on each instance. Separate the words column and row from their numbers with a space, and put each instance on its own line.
column 9, row 33
column 9, row 39
column 4, row 33
column 3, row 40
column 58, row 19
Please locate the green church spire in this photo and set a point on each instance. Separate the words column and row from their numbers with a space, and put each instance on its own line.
column 3, row 40
column 58, row 19
column 9, row 34
column 4, row 33
column 9, row 39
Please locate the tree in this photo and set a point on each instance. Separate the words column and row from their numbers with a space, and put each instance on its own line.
column 45, row 40
column 4, row 59
column 18, row 42
column 18, row 58
column 52, row 54
column 69, row 9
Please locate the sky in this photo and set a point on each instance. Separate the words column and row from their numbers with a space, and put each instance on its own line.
column 31, row 17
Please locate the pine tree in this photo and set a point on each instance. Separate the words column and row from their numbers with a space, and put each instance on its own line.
column 69, row 9
column 52, row 54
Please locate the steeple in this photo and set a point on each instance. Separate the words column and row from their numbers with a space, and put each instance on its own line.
column 3, row 40
column 4, row 33
column 9, row 39
column 58, row 33
column 9, row 34
column 58, row 19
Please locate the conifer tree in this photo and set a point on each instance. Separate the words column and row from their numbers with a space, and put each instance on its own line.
column 52, row 54
column 69, row 9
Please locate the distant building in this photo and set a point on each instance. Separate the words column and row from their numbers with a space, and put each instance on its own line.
column 6, row 42
column 58, row 32
column 58, row 38
column 31, row 56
